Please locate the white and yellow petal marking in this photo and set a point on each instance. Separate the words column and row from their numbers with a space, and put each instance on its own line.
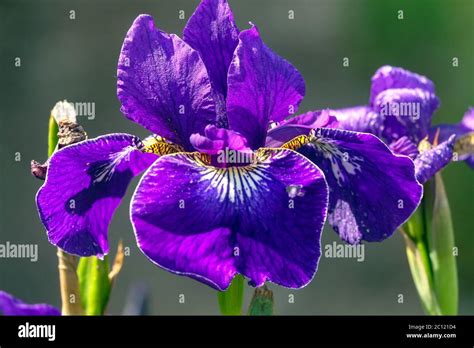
column 341, row 162
column 237, row 183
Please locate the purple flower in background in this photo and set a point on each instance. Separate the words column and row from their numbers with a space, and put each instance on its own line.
column 401, row 104
column 10, row 305
column 222, row 194
column 464, row 131
column 400, row 110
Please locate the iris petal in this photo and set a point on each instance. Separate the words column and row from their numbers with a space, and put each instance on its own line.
column 84, row 185
column 404, row 146
column 217, row 139
column 10, row 305
column 401, row 104
column 262, row 87
column 389, row 77
column 163, row 84
column 406, row 112
column 359, row 119
column 372, row 190
column 212, row 32
column 211, row 223
column 431, row 161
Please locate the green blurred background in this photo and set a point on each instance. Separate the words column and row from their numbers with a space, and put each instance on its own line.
column 76, row 60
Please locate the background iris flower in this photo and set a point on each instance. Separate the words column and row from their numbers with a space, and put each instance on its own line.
column 400, row 110
column 218, row 90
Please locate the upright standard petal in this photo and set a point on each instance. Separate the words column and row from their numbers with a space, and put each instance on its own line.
column 372, row 190
column 84, row 185
column 212, row 32
column 431, row 161
column 163, row 83
column 10, row 305
column 389, row 77
column 211, row 223
column 406, row 112
column 262, row 87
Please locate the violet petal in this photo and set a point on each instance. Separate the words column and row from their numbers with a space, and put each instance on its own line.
column 84, row 185
column 163, row 84
column 372, row 190
column 262, row 87
column 211, row 223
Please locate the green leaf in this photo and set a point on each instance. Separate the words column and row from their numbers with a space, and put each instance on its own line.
column 231, row 300
column 94, row 284
column 418, row 260
column 442, row 254
column 262, row 302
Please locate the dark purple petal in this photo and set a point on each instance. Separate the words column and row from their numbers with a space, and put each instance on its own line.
column 371, row 190
column 217, row 139
column 389, row 77
column 211, row 223
column 10, row 305
column 262, row 87
column 406, row 112
column 300, row 125
column 84, row 185
column 404, row 146
column 212, row 32
column 429, row 162
column 464, row 132
column 163, row 83
column 359, row 119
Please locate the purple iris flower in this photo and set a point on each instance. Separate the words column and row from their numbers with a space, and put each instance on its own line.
column 222, row 194
column 400, row 111
column 10, row 305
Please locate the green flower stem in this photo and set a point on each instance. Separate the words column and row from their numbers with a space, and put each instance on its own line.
column 429, row 238
column 418, row 260
column 94, row 284
column 231, row 300
column 416, row 227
